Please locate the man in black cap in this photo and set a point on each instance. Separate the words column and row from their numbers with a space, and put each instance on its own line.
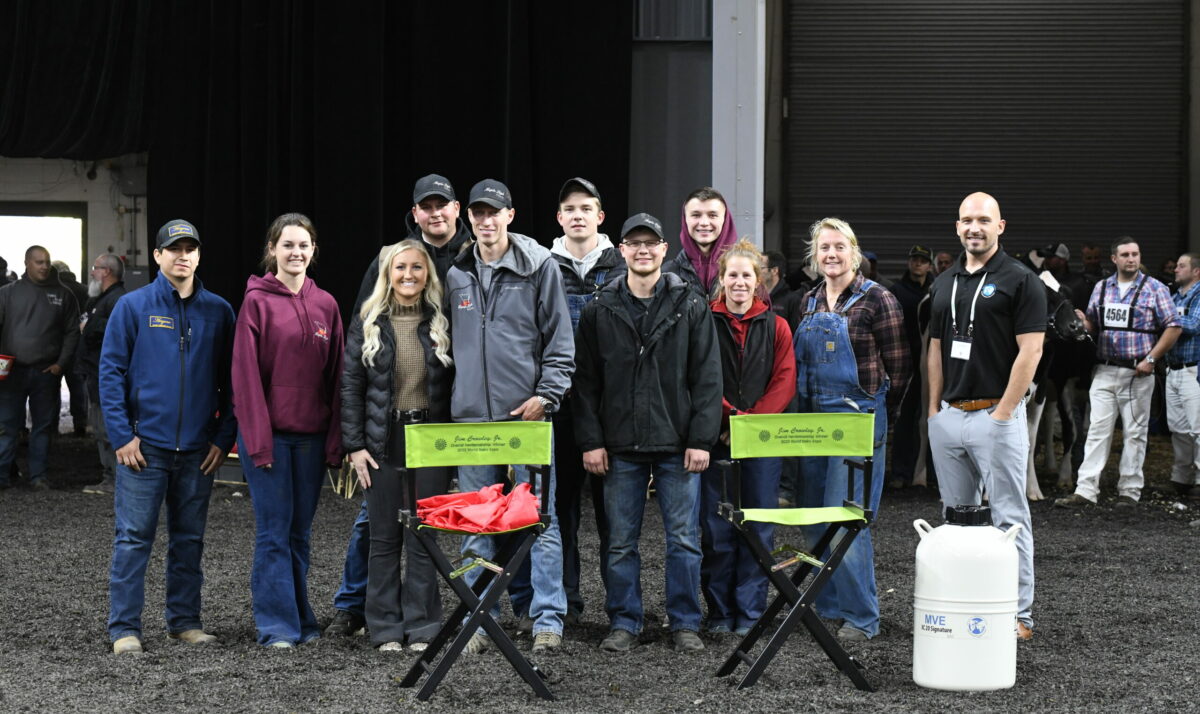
column 910, row 289
column 165, row 370
column 587, row 260
column 39, row 329
column 434, row 219
column 510, row 332
column 647, row 401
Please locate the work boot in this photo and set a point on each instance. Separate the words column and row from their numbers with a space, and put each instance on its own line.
column 546, row 642
column 194, row 636
column 127, row 645
column 478, row 644
column 687, row 641
column 1073, row 501
column 344, row 624
column 619, row 641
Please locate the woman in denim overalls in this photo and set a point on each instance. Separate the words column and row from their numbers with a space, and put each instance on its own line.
column 829, row 379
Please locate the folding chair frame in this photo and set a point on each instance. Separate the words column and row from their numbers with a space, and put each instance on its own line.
column 789, row 592
column 473, row 611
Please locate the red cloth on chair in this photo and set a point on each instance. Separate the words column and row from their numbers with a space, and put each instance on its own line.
column 488, row 510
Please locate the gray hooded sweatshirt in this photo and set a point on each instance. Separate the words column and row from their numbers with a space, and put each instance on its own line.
column 512, row 342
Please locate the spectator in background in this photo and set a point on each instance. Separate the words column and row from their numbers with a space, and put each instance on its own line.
column 3, row 272
column 1095, row 268
column 1183, row 391
column 786, row 302
column 75, row 382
column 943, row 261
column 909, row 290
column 106, row 286
column 1166, row 275
column 706, row 233
column 39, row 328
column 871, row 269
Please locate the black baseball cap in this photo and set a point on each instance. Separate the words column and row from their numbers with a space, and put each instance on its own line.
column 642, row 220
column 432, row 185
column 176, row 230
column 920, row 251
column 581, row 185
column 491, row 192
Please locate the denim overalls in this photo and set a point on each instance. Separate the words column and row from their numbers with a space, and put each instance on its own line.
column 827, row 381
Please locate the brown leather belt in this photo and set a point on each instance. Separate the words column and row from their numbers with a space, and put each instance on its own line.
column 974, row 405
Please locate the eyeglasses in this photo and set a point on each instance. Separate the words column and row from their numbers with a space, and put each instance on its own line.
column 649, row 244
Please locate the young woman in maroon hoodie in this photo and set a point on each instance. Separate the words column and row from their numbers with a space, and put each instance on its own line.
column 287, row 366
column 759, row 377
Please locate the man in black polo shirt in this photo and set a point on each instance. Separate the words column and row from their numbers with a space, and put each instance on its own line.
column 986, row 332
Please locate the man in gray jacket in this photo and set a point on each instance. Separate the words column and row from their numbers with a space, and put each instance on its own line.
column 39, row 329
column 515, row 353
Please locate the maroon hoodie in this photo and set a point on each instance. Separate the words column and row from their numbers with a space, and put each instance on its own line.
column 287, row 367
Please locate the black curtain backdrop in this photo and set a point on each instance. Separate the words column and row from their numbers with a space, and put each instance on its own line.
column 248, row 110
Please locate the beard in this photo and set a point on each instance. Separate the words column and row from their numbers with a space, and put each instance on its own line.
column 94, row 288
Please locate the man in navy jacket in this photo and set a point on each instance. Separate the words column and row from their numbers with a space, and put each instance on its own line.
column 164, row 389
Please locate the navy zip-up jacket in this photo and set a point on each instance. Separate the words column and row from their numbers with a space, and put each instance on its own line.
column 165, row 369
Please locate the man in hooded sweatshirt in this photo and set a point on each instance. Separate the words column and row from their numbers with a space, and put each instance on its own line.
column 706, row 232
column 511, row 335
column 588, row 261
column 434, row 219
column 39, row 328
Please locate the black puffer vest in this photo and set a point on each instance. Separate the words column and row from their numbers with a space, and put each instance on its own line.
column 745, row 372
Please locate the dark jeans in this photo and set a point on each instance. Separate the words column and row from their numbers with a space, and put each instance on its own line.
column 41, row 390
column 173, row 477
column 396, row 609
column 352, row 594
column 906, row 434
column 567, row 503
column 77, row 386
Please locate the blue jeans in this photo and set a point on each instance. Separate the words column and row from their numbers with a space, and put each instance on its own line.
column 285, row 501
column 174, row 477
column 850, row 594
column 734, row 586
column 41, row 390
column 352, row 593
column 549, row 603
column 678, row 495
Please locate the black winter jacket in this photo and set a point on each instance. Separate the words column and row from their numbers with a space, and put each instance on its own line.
column 681, row 266
column 661, row 396
column 367, row 391
column 91, row 338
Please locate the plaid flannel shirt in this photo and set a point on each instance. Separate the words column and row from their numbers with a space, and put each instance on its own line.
column 1187, row 348
column 1153, row 312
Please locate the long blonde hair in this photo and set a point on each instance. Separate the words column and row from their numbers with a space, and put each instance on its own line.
column 383, row 300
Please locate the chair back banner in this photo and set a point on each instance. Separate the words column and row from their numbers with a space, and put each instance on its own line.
column 825, row 434
column 477, row 444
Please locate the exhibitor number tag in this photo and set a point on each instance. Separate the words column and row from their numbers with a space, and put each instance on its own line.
column 1116, row 314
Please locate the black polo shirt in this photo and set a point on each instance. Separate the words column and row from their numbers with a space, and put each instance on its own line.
column 1012, row 301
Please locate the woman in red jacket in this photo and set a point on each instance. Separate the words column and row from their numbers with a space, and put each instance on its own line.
column 759, row 377
column 287, row 365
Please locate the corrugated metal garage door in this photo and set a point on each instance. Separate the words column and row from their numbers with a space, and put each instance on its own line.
column 1071, row 113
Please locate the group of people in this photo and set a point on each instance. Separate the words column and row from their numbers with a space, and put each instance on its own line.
column 637, row 359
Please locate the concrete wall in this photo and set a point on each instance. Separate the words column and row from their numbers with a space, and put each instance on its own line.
column 112, row 225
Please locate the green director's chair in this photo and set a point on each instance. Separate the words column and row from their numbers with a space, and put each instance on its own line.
column 758, row 435
column 475, row 444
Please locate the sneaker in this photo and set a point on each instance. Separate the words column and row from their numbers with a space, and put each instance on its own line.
column 418, row 647
column 1024, row 632
column 1124, row 502
column 687, row 641
column 391, row 647
column 40, row 485
column 344, row 624
column 194, row 636
column 546, row 642
column 785, row 502
column 619, row 641
column 281, row 645
column 104, row 488
column 127, row 645
column 525, row 625
column 846, row 633
column 1073, row 501
column 742, row 631
column 478, row 644
column 719, row 629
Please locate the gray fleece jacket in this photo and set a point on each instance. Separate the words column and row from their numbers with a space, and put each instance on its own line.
column 39, row 322
column 513, row 342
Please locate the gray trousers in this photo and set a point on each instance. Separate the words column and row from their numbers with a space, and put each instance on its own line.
column 973, row 454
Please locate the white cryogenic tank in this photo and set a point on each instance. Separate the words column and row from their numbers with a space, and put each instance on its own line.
column 965, row 603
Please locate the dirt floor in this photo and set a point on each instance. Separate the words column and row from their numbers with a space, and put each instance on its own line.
column 1116, row 611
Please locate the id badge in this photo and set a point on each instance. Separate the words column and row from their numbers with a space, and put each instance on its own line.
column 1116, row 314
column 960, row 349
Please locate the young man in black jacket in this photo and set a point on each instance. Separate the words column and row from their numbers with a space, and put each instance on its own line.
column 647, row 400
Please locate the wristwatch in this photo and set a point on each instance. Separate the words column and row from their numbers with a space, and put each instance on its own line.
column 1150, row 359
column 545, row 403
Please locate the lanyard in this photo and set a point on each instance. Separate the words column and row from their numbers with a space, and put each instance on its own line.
column 954, row 305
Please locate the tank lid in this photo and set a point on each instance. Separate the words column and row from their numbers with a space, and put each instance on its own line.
column 968, row 515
